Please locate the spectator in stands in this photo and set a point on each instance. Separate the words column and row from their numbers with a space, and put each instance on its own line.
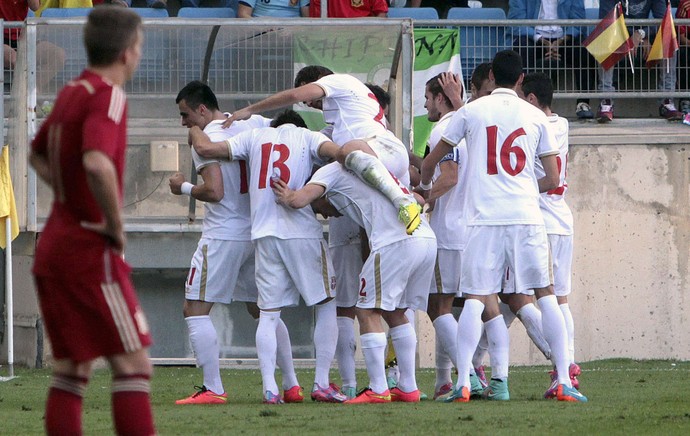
column 350, row 8
column 441, row 6
column 273, row 8
column 156, row 4
column 641, row 37
column 547, row 47
column 49, row 57
column 205, row 3
column 683, row 12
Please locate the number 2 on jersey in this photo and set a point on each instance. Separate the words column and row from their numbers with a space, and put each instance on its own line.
column 267, row 150
column 507, row 148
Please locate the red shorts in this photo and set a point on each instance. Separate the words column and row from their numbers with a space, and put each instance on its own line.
column 92, row 314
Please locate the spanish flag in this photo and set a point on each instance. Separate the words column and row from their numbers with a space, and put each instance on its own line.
column 8, row 209
column 610, row 41
column 665, row 42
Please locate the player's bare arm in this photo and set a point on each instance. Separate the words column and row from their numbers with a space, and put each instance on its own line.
column 552, row 178
column 450, row 83
column 446, row 181
column 429, row 164
column 306, row 93
column 40, row 164
column 205, row 147
column 101, row 177
column 210, row 191
column 296, row 199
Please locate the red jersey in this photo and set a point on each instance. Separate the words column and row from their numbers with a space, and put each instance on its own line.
column 349, row 8
column 89, row 114
column 13, row 10
column 683, row 11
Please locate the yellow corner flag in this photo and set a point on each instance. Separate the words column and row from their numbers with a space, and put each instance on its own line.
column 7, row 206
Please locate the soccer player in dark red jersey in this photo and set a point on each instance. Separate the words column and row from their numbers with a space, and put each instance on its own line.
column 84, row 288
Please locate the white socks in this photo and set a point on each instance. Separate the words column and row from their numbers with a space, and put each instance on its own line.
column 499, row 347
column 530, row 317
column 345, row 351
column 204, row 341
column 446, row 330
column 284, row 356
column 372, row 172
column 554, row 331
column 443, row 366
column 570, row 329
column 374, row 350
column 405, row 344
column 266, row 349
column 480, row 352
column 508, row 315
column 325, row 340
column 469, row 332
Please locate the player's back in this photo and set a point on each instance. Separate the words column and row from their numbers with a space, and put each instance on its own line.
column 229, row 219
column 288, row 152
column 351, row 108
column 366, row 206
column 558, row 217
column 89, row 114
column 504, row 136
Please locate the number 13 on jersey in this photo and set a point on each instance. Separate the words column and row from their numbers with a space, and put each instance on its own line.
column 267, row 150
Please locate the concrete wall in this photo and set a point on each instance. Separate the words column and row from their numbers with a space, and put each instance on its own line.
column 628, row 189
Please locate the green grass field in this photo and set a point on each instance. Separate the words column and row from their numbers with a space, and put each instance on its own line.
column 625, row 397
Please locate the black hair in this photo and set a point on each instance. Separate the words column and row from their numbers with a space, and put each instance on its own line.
column 541, row 86
column 382, row 96
column 507, row 67
column 480, row 74
column 288, row 116
column 310, row 74
column 435, row 89
column 196, row 93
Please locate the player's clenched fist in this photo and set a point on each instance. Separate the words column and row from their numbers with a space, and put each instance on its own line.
column 175, row 183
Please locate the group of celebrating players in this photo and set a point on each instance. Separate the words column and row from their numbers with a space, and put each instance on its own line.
column 486, row 233
column 490, row 232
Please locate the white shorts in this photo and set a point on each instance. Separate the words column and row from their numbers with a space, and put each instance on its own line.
column 347, row 264
column 393, row 154
column 222, row 272
column 561, row 247
column 446, row 278
column 491, row 249
column 288, row 268
column 397, row 276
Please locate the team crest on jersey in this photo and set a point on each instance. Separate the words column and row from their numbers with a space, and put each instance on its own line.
column 356, row 3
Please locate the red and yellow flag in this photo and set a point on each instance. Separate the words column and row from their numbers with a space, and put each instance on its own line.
column 665, row 43
column 610, row 41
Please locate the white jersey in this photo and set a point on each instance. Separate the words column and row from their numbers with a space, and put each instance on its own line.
column 228, row 219
column 504, row 136
column 447, row 219
column 288, row 152
column 557, row 215
column 366, row 206
column 342, row 230
column 351, row 108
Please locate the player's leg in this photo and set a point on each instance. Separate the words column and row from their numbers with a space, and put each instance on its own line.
column 65, row 397
column 311, row 270
column 562, row 257
column 345, row 350
column 446, row 327
column 404, row 339
column 375, row 170
column 131, row 393
column 522, row 306
column 499, row 348
column 373, row 341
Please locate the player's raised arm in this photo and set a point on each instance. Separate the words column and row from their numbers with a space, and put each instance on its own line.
column 306, row 93
column 296, row 199
column 210, row 191
column 205, row 147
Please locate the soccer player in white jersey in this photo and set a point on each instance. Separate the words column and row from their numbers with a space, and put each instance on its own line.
column 537, row 89
column 222, row 268
column 394, row 277
column 504, row 137
column 291, row 257
column 359, row 126
column 446, row 198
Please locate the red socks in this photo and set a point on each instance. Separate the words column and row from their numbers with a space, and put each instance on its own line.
column 63, row 408
column 132, row 405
